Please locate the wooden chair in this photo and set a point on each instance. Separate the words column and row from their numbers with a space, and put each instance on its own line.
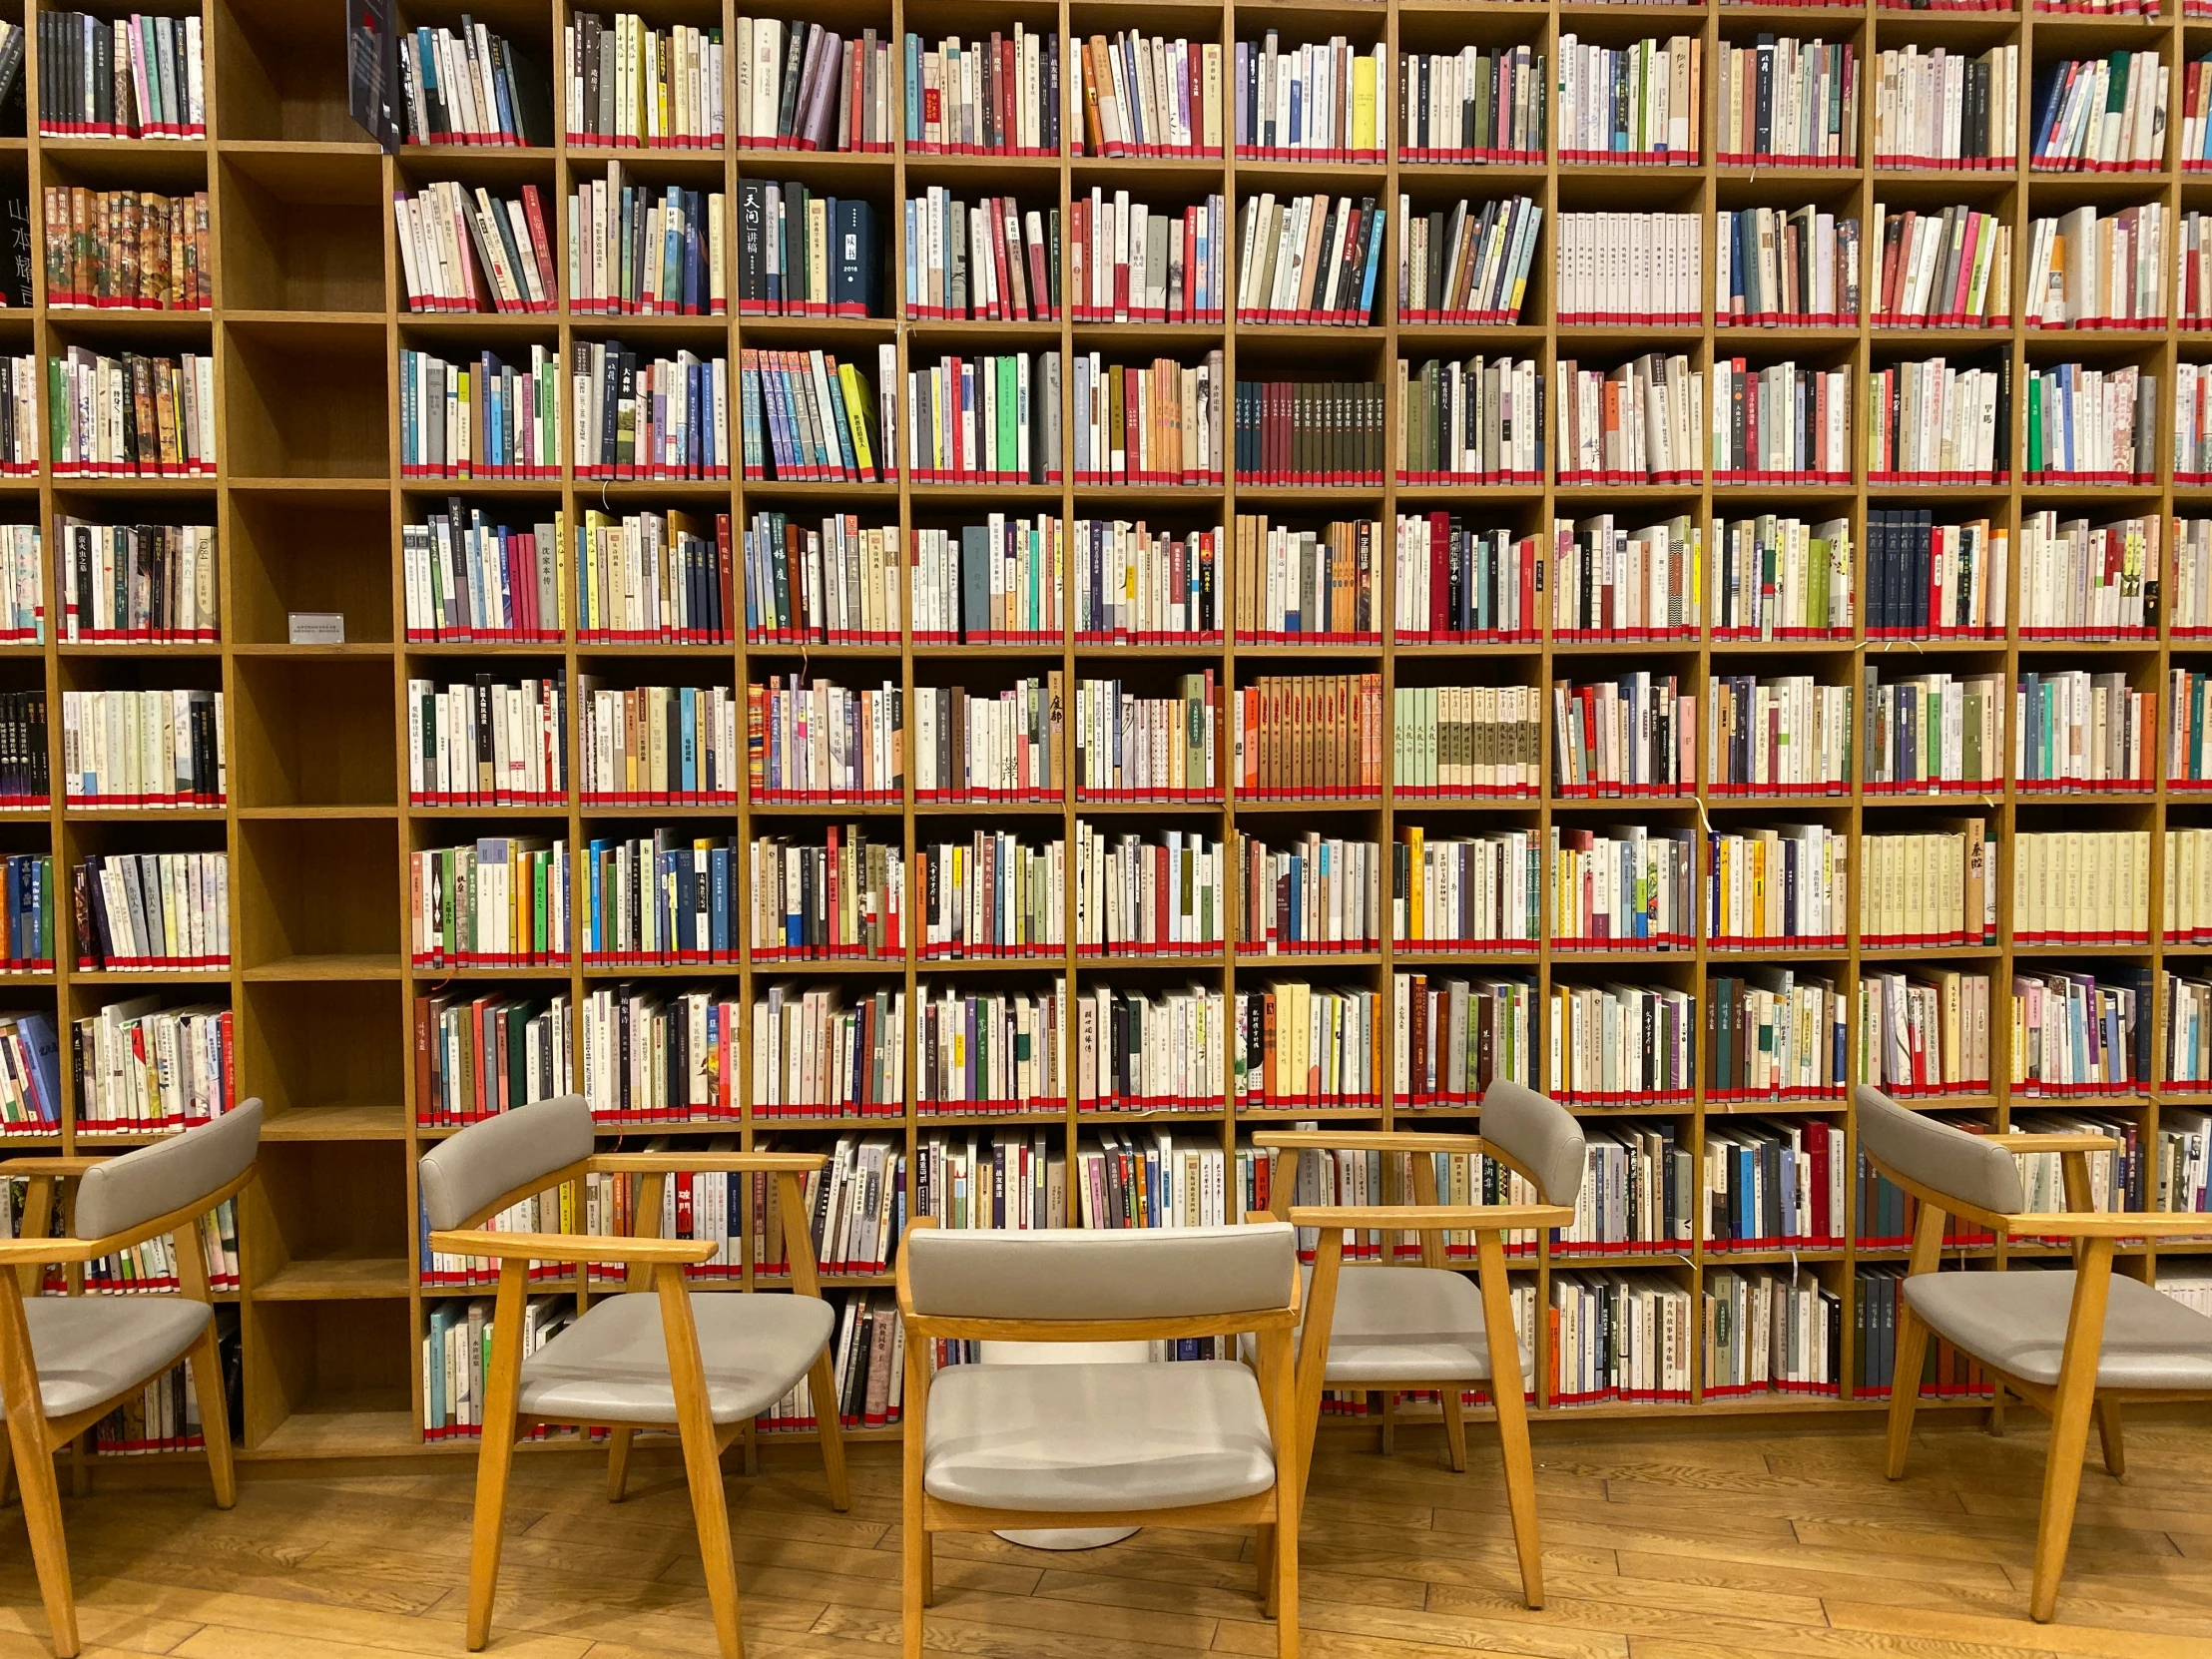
column 1395, row 1327
column 66, row 1361
column 2066, row 1342
column 704, row 1366
column 1189, row 1443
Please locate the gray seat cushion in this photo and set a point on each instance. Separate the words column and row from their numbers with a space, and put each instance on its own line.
column 611, row 1366
column 1407, row 1324
column 2018, row 1322
column 90, row 1349
column 1058, row 1438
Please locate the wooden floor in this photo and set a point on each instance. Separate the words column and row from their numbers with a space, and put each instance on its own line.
column 1657, row 1546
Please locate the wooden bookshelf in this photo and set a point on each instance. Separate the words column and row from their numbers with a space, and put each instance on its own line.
column 309, row 319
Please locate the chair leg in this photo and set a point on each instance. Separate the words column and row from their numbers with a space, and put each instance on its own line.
column 695, row 1426
column 215, row 1417
column 618, row 1462
column 1905, row 1387
column 2073, row 1402
column 1456, row 1428
column 821, row 1383
column 2108, row 1435
column 1513, row 1415
column 913, row 1577
column 42, row 1518
column 928, row 1568
column 1264, row 1549
column 495, row 1450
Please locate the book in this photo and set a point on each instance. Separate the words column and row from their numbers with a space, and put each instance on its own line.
column 140, row 912
column 142, row 76
column 1310, row 101
column 814, row 1054
column 1327, row 432
column 1313, row 736
column 27, row 889
column 497, row 902
column 1639, row 422
column 1314, row 895
column 1130, row 747
column 816, row 741
column 1135, row 261
column 2082, row 733
column 153, row 583
column 1308, row 587
column 128, row 250
column 1610, row 582
column 1777, row 1035
column 1634, row 736
column 1308, row 258
column 2089, row 583
column 1159, row 423
column 1787, row 268
column 1145, row 95
column 1306, row 1046
column 1936, row 423
column 1456, row 1037
column 469, row 578
column 1162, row 896
column 1781, row 424
column 835, row 585
column 2087, row 270
column 143, row 1066
column 125, row 748
column 1924, row 1032
column 636, row 250
column 479, row 1055
column 1935, row 581
column 1482, row 103
column 660, row 578
column 2187, row 899
column 1936, row 108
column 1481, row 421
column 1457, row 584
column 631, row 85
column 1634, row 105
column 2091, row 425
column 845, row 898
column 985, row 1050
column 133, row 416
column 480, row 417
column 1929, row 888
column 986, row 96
column 1621, row 1044
column 640, row 418
column 471, row 86
column 2100, row 115
column 483, row 743
column 1629, row 268
column 994, row 896
column 988, row 746
column 1786, row 101
column 464, row 250
column 1465, row 892
column 1618, row 887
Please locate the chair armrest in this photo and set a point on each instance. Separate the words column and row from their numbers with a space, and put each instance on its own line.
column 1358, row 1140
column 573, row 1247
column 57, row 1165
column 2056, row 1141
column 24, row 1253
column 704, row 1163
column 2112, row 1224
column 1434, row 1218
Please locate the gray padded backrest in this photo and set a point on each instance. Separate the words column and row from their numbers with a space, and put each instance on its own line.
column 1084, row 1273
column 118, row 1195
column 1537, row 1133
column 503, row 1152
column 1976, row 1168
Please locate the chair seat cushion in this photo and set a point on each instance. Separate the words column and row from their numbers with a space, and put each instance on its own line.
column 90, row 1349
column 1403, row 1325
column 2016, row 1322
column 1061, row 1438
column 611, row 1366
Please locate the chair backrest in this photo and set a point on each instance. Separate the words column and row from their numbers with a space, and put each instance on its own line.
column 502, row 1153
column 1094, row 1273
column 1538, row 1134
column 125, row 1192
column 1944, row 1159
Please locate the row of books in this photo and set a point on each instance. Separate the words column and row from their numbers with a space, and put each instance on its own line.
column 1951, row 268
column 131, row 416
column 1936, row 108
column 644, row 576
column 127, row 249
column 802, row 253
column 1928, row 887
column 485, row 418
column 472, row 87
column 1145, row 95
column 996, row 96
column 2087, row 270
column 806, row 417
column 140, row 1066
column 1629, row 268
column 137, row 76
column 997, row 419
column 2077, row 1035
column 1308, row 258
column 1927, row 580
column 1478, row 104
column 986, row 746
column 1621, row 887
column 802, row 86
column 474, row 743
column 135, row 911
column 1633, row 104
column 2186, row 887
column 2101, row 115
column 27, row 902
column 638, row 87
column 635, row 249
column 665, row 417
column 988, row 261
column 1783, row 268
column 460, row 248
column 1783, row 101
column 142, row 582
column 127, row 747
column 2091, row 425
column 1467, row 265
column 1132, row 263
column 500, row 901
column 457, row 1342
column 838, row 584
column 1152, row 424
column 1318, row 101
column 2081, row 887
column 1635, row 736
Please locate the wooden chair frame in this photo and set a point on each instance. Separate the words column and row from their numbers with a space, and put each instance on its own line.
column 1273, row 1512
column 33, row 1438
column 1489, row 1223
column 2070, row 1403
column 656, row 1263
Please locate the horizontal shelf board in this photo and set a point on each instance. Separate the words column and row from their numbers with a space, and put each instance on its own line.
column 338, row 1279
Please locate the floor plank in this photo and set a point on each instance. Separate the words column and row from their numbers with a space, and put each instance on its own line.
column 1657, row 1545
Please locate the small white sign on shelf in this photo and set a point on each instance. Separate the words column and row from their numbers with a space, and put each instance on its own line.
column 318, row 627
